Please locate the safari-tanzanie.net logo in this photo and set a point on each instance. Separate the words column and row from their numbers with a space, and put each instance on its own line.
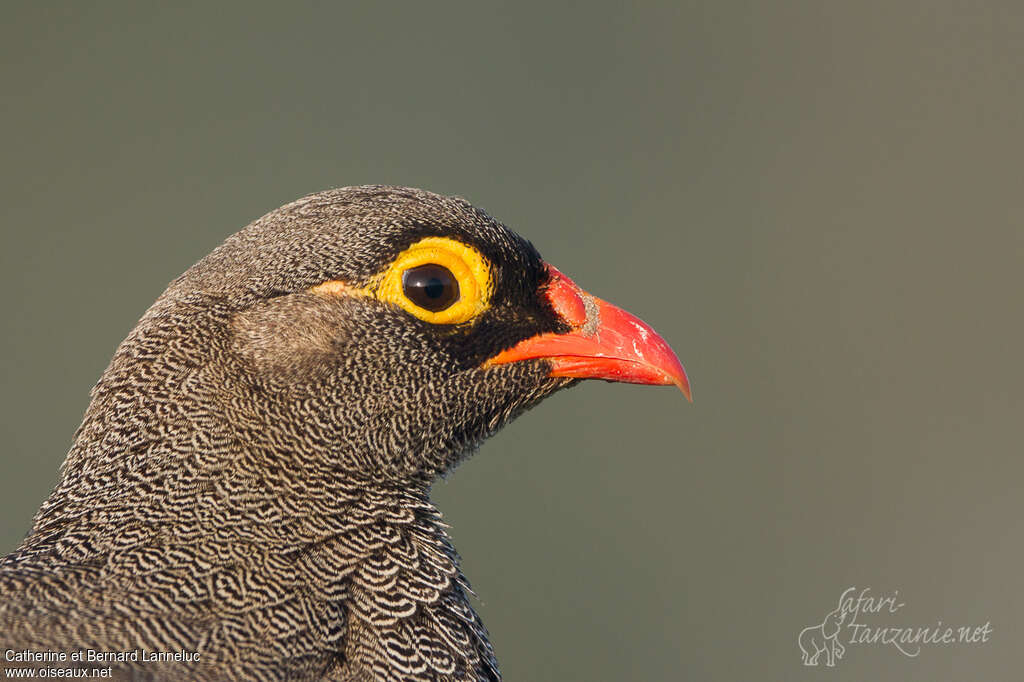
column 864, row 619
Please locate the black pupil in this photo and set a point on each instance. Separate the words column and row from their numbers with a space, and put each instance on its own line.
column 432, row 287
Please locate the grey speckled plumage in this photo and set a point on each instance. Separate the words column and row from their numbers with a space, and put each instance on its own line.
column 251, row 479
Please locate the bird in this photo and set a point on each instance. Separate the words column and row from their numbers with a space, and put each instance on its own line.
column 248, row 494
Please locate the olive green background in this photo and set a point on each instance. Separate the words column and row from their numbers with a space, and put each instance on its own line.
column 819, row 205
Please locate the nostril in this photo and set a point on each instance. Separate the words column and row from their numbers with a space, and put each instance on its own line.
column 566, row 299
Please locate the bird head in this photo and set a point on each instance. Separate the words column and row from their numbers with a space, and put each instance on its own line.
column 386, row 331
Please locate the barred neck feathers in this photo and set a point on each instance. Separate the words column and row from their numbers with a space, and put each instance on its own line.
column 185, row 519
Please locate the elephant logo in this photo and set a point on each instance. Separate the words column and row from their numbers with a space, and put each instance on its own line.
column 823, row 638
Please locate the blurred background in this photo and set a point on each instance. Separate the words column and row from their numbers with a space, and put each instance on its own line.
column 819, row 205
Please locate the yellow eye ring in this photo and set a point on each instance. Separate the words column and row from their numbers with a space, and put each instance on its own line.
column 466, row 264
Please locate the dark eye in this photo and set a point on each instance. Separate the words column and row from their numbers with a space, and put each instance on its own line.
column 431, row 287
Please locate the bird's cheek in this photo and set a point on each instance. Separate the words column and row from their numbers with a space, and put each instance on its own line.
column 289, row 338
